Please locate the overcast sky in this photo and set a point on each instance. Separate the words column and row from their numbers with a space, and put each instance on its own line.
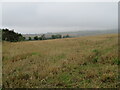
column 45, row 17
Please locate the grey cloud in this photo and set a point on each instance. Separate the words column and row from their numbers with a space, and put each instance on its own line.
column 61, row 16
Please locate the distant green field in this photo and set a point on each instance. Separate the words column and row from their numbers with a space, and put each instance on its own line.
column 84, row 62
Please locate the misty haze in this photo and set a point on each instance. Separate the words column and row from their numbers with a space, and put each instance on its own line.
column 59, row 45
column 59, row 17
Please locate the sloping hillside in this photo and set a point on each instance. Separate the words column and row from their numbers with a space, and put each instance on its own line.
column 84, row 62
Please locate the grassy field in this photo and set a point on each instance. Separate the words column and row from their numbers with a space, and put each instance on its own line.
column 84, row 62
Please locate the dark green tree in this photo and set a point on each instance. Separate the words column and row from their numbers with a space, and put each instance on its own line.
column 40, row 38
column 53, row 37
column 43, row 37
column 29, row 38
column 56, row 36
column 36, row 38
column 66, row 36
column 10, row 35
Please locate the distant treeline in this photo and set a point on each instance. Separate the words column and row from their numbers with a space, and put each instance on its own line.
column 10, row 35
column 43, row 37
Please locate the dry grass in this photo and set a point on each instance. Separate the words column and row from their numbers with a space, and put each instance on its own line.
column 85, row 62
